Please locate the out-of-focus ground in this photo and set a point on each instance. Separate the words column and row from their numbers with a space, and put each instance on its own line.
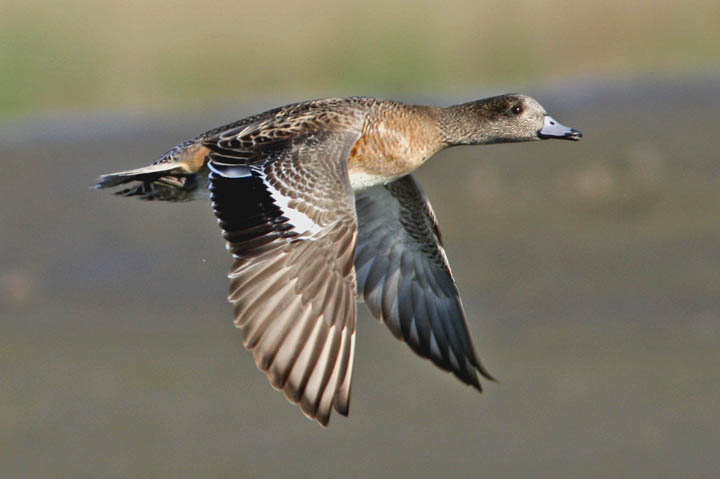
column 590, row 272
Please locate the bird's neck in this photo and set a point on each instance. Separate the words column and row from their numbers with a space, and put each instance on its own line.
column 460, row 125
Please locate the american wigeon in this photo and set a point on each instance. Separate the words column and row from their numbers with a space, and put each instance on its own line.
column 318, row 206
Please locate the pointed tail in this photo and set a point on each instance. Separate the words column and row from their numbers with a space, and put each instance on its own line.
column 179, row 175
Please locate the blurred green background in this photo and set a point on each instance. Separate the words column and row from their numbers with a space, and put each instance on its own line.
column 80, row 54
column 590, row 271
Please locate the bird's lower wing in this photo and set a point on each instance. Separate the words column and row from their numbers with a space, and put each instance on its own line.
column 404, row 277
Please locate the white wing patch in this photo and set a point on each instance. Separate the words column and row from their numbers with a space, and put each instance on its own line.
column 229, row 170
column 300, row 221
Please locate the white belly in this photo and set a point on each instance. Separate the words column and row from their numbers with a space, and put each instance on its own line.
column 360, row 180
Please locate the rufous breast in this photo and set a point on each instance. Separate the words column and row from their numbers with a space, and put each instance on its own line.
column 393, row 144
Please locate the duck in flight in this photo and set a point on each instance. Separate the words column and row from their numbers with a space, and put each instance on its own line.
column 319, row 207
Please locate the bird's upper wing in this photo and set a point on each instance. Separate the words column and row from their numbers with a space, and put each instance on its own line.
column 284, row 202
column 404, row 276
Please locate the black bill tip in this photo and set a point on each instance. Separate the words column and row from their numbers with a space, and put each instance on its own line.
column 574, row 135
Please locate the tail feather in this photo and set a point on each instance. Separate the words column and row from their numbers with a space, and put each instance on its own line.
column 175, row 177
column 167, row 189
column 145, row 174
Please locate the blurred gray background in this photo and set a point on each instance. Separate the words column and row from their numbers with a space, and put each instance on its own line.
column 590, row 271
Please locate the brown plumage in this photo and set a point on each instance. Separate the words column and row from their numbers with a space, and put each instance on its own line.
column 317, row 205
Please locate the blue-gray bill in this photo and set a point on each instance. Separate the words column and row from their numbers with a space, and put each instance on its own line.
column 554, row 129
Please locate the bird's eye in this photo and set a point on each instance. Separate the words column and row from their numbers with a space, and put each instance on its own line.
column 517, row 109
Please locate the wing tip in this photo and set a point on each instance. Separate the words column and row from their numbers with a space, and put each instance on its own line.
column 342, row 406
column 472, row 372
column 486, row 374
